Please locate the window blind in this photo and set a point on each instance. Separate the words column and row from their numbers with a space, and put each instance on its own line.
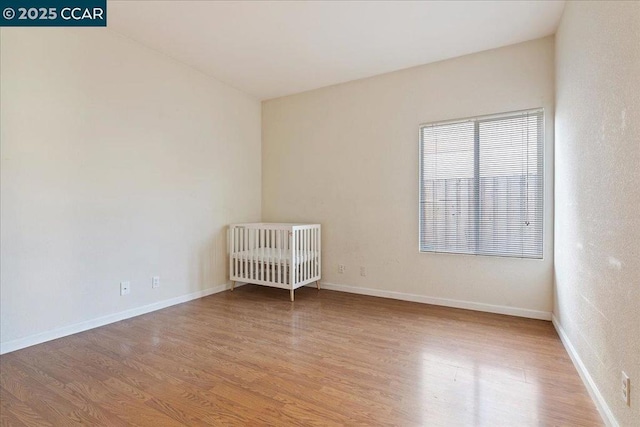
column 481, row 185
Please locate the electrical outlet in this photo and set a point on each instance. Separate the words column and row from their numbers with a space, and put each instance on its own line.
column 125, row 288
column 626, row 389
column 155, row 282
column 363, row 271
column 340, row 268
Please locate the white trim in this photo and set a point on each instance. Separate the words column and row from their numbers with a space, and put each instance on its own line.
column 20, row 343
column 468, row 305
column 596, row 396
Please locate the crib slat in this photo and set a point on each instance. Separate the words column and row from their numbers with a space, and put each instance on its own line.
column 274, row 266
column 231, row 252
column 272, row 256
column 260, row 254
column 269, row 244
column 244, row 257
column 270, row 265
column 309, row 258
column 313, row 252
column 304, row 254
column 280, row 256
column 276, row 258
column 266, row 255
column 303, row 266
column 237, row 248
column 299, row 246
column 245, row 251
column 234, row 251
column 250, row 232
column 292, row 264
column 308, row 253
column 300, row 259
column 241, row 250
column 297, row 255
column 247, row 248
column 239, row 232
column 288, row 274
column 238, row 251
column 319, row 251
column 263, row 272
column 254, row 249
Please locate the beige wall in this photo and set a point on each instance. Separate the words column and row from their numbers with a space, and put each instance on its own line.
column 117, row 164
column 346, row 156
column 597, row 259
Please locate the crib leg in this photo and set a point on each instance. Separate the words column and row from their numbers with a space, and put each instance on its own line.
column 291, row 292
column 318, row 284
column 233, row 284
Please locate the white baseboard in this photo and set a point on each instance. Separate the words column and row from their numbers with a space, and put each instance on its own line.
column 9, row 346
column 469, row 305
column 20, row 343
column 596, row 396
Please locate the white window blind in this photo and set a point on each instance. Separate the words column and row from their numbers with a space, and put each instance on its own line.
column 481, row 185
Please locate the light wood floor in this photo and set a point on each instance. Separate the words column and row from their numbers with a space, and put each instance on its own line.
column 253, row 358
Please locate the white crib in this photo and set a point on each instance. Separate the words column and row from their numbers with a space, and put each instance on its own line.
column 285, row 256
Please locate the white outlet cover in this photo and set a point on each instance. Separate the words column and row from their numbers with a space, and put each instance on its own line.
column 125, row 288
column 155, row 282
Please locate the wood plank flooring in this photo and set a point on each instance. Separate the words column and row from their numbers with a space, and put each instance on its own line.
column 251, row 357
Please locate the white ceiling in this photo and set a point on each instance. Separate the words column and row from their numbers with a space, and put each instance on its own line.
column 274, row 48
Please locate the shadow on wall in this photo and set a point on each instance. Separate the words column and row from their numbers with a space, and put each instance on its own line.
column 212, row 260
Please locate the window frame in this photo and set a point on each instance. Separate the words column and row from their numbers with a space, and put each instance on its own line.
column 541, row 172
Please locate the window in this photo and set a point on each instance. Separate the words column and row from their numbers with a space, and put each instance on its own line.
column 481, row 185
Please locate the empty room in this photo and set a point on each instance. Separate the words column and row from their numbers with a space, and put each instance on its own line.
column 398, row 213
